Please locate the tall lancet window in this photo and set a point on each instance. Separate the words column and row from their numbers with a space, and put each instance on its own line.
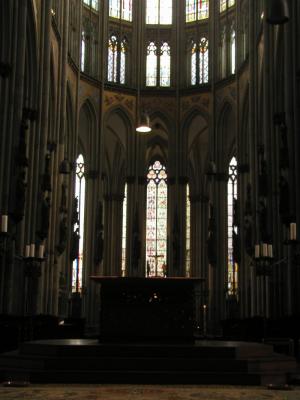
column 156, row 220
column 116, row 68
column 199, row 62
column 83, row 51
column 165, row 65
column 124, row 231
column 158, row 66
column 232, row 51
column 151, row 68
column 188, row 233
column 121, row 9
column 232, row 277
column 77, row 238
column 196, row 10
column 159, row 12
column 224, row 4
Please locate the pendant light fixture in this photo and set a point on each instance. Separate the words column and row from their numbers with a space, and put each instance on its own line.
column 277, row 12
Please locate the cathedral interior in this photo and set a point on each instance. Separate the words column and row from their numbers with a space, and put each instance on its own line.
column 209, row 188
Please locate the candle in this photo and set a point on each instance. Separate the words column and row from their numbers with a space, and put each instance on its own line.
column 27, row 250
column 32, row 250
column 256, row 251
column 4, row 222
column 293, row 234
column 41, row 251
column 265, row 250
column 270, row 250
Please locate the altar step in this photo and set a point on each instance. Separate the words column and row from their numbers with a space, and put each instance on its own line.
column 205, row 362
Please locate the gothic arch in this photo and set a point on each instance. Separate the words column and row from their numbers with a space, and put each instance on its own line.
column 196, row 147
column 226, row 135
column 116, row 137
column 87, row 131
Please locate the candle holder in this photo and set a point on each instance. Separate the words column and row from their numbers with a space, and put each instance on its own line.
column 32, row 271
column 3, row 243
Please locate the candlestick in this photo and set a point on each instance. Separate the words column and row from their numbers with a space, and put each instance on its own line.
column 32, row 250
column 4, row 223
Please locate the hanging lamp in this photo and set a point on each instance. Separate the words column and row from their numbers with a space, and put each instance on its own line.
column 278, row 12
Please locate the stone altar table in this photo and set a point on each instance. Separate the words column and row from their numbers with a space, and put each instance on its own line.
column 147, row 309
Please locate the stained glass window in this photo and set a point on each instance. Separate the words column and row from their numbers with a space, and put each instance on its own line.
column 123, row 61
column 77, row 266
column 83, row 52
column 203, row 61
column 196, row 10
column 232, row 51
column 159, row 12
column 151, row 68
column 121, row 9
column 91, row 3
column 223, row 54
column 165, row 65
column 124, row 230
column 188, row 233
column 194, row 64
column 116, row 69
column 223, row 5
column 156, row 220
column 199, row 62
column 161, row 63
column 232, row 229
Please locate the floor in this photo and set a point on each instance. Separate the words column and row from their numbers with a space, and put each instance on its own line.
column 145, row 392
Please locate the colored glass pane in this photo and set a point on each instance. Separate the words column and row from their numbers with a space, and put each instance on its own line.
column 112, row 59
column 203, row 9
column 151, row 68
column 232, row 52
column 188, row 233
column 126, row 13
column 156, row 223
column 124, row 231
column 123, row 62
column 223, row 5
column 114, row 8
column 77, row 266
column 203, row 61
column 165, row 65
column 232, row 273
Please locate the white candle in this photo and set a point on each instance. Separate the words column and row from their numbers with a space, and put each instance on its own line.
column 27, row 250
column 256, row 251
column 32, row 250
column 4, row 222
column 265, row 250
column 41, row 251
column 293, row 234
column 270, row 250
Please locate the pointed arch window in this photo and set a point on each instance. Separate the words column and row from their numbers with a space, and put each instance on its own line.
column 124, row 232
column 225, row 4
column 78, row 234
column 92, row 3
column 158, row 66
column 232, row 195
column 232, row 52
column 165, row 65
column 199, row 62
column 159, row 12
column 156, row 220
column 121, row 9
column 188, row 233
column 196, row 10
column 117, row 55
column 83, row 51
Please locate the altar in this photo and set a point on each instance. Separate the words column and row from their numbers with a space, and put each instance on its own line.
column 147, row 309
